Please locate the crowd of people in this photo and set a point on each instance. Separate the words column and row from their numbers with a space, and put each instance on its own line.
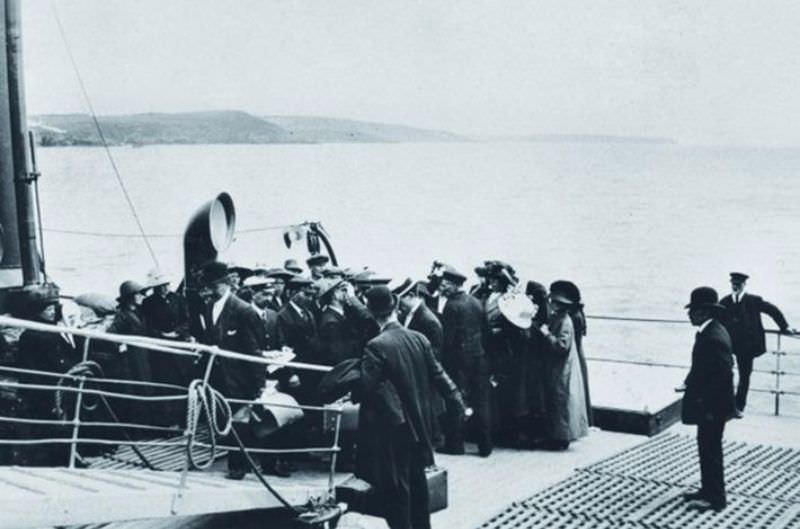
column 429, row 362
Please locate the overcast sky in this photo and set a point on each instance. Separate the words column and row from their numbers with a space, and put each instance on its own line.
column 709, row 72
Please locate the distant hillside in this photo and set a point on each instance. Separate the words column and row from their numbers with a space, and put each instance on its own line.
column 219, row 127
column 331, row 130
column 144, row 129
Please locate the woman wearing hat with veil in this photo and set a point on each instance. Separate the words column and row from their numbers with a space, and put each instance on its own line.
column 564, row 397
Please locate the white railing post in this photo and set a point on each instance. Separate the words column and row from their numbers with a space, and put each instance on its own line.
column 335, row 453
column 778, row 354
column 76, row 419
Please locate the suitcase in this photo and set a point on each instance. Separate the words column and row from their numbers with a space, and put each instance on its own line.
column 358, row 494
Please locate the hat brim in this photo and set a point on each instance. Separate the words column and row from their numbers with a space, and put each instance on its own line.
column 715, row 306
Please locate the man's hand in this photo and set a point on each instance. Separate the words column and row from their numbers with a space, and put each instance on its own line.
column 680, row 389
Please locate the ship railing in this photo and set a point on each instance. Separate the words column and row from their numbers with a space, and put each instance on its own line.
column 778, row 389
column 86, row 385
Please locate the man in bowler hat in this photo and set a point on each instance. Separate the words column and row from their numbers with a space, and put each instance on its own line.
column 398, row 371
column 233, row 325
column 708, row 398
column 742, row 318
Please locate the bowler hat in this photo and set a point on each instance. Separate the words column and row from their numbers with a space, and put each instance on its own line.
column 450, row 273
column 128, row 288
column 292, row 266
column 704, row 297
column 738, row 277
column 214, row 272
column 380, row 300
column 317, row 259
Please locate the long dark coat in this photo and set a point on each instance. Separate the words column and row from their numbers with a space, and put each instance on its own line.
column 565, row 403
column 239, row 329
column 425, row 322
column 134, row 362
column 404, row 359
column 167, row 317
column 709, row 384
column 743, row 322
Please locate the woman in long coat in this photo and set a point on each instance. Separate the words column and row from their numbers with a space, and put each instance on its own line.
column 565, row 403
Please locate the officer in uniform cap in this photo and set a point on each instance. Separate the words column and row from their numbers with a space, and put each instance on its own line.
column 742, row 318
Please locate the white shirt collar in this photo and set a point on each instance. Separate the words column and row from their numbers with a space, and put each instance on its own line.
column 338, row 310
column 702, row 326
column 296, row 308
column 216, row 310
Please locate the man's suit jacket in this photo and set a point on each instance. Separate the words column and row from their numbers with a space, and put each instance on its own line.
column 299, row 331
column 424, row 321
column 709, row 386
column 402, row 358
column 240, row 329
column 463, row 327
column 743, row 321
column 340, row 337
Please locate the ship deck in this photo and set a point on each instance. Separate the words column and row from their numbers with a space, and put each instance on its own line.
column 605, row 480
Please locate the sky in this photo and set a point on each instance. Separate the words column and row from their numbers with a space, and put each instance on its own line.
column 718, row 72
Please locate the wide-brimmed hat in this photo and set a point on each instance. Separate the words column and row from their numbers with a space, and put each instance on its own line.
column 292, row 266
column 567, row 289
column 214, row 272
column 299, row 282
column 333, row 272
column 704, row 297
column 450, row 273
column 327, row 285
column 517, row 309
column 156, row 277
column 404, row 288
column 317, row 259
column 280, row 273
column 739, row 277
column 128, row 288
column 257, row 282
column 380, row 300
column 242, row 271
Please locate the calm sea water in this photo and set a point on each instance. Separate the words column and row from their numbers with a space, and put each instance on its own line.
column 635, row 226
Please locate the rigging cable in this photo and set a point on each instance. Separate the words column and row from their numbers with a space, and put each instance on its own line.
column 88, row 102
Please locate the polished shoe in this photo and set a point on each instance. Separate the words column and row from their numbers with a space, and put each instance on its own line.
column 704, row 505
column 484, row 451
column 738, row 414
column 237, row 474
column 694, row 495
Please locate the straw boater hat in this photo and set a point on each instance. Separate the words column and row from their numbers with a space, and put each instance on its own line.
column 258, row 282
column 157, row 278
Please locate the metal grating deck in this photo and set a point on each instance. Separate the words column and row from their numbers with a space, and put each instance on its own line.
column 641, row 487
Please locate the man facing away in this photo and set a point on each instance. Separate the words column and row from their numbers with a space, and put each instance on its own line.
column 398, row 370
column 708, row 398
column 742, row 318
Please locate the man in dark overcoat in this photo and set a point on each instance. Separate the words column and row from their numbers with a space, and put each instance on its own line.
column 398, row 370
column 742, row 318
column 464, row 359
column 233, row 325
column 708, row 399
column 416, row 316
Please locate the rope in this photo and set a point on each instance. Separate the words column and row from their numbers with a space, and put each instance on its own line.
column 203, row 400
column 110, row 235
column 96, row 122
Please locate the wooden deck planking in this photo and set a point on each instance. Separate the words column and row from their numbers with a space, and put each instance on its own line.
column 42, row 497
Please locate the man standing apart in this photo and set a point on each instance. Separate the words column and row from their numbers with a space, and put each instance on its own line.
column 464, row 359
column 708, row 401
column 742, row 318
column 397, row 372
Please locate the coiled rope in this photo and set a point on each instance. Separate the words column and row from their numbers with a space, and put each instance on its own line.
column 205, row 401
